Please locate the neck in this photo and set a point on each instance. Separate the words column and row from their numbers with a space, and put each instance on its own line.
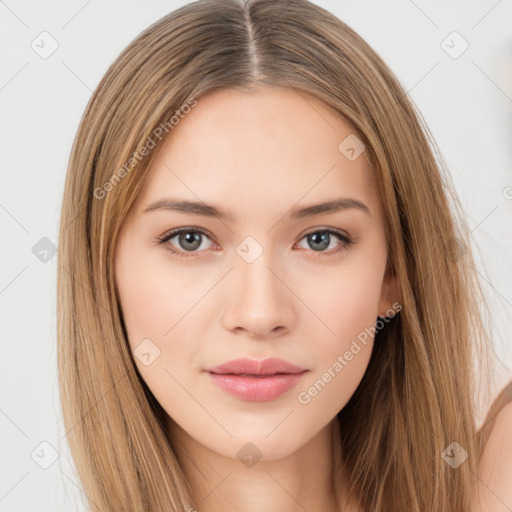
column 302, row 480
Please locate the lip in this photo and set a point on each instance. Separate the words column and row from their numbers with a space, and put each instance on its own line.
column 269, row 366
column 257, row 381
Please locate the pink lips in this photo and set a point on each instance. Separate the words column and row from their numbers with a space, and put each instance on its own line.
column 257, row 381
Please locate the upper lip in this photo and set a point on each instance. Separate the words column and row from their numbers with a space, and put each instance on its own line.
column 244, row 365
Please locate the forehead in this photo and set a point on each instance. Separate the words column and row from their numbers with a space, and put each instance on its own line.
column 274, row 146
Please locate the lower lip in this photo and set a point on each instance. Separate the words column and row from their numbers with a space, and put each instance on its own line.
column 257, row 389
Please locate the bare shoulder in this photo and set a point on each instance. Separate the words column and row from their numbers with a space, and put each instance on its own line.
column 495, row 467
column 504, row 417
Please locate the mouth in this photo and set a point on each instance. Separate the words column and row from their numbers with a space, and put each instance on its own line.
column 256, row 387
column 256, row 381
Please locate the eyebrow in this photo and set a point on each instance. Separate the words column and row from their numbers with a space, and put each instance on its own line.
column 208, row 210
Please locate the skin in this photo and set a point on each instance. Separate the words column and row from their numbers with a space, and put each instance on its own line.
column 256, row 155
column 495, row 467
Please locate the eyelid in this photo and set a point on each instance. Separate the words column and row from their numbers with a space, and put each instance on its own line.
column 335, row 231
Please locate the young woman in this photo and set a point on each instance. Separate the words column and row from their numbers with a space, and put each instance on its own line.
column 267, row 296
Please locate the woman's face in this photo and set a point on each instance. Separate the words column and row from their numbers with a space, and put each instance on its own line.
column 264, row 280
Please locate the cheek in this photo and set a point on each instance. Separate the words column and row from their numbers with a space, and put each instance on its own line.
column 345, row 305
column 163, row 316
column 156, row 298
column 345, row 301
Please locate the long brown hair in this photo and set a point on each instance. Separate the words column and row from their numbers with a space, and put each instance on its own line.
column 422, row 387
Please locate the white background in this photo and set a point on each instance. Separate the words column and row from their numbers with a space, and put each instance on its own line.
column 466, row 102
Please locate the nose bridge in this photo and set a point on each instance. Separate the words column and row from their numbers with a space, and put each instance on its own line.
column 256, row 267
column 260, row 302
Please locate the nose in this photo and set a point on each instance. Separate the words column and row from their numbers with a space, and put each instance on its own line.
column 260, row 302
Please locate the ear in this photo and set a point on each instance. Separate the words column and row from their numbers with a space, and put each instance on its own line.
column 390, row 294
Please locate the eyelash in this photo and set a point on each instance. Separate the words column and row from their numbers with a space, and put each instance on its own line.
column 347, row 242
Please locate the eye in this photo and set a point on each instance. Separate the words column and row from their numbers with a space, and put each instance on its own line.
column 321, row 239
column 188, row 238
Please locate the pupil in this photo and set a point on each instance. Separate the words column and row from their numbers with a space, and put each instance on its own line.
column 322, row 238
column 190, row 238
